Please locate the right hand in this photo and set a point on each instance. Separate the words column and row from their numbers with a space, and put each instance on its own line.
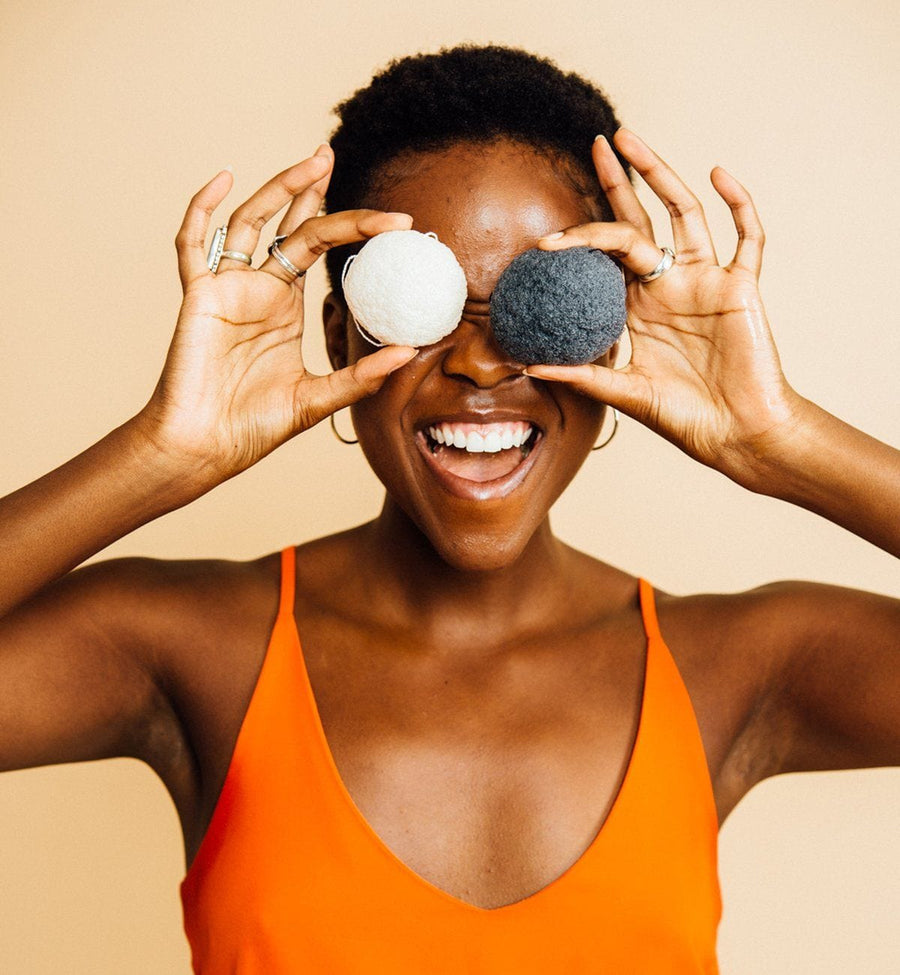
column 234, row 386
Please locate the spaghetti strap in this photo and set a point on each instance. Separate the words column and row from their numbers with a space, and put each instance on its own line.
column 648, row 610
column 288, row 572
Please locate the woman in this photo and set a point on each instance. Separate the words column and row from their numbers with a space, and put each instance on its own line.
column 491, row 752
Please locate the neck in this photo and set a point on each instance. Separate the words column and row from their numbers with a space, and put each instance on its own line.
column 454, row 607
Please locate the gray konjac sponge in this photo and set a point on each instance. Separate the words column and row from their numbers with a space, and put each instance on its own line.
column 559, row 307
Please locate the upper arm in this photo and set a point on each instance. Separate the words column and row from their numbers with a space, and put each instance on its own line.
column 77, row 682
column 837, row 698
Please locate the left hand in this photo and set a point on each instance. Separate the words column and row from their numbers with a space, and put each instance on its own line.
column 704, row 371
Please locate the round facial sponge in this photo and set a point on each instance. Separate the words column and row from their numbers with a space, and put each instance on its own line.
column 405, row 288
column 560, row 307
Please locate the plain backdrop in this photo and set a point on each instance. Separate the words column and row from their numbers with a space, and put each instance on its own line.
column 114, row 113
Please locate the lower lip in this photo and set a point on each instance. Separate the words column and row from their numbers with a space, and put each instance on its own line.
column 460, row 487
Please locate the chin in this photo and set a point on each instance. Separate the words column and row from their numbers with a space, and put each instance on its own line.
column 484, row 550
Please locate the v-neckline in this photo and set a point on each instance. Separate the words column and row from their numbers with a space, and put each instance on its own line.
column 404, row 868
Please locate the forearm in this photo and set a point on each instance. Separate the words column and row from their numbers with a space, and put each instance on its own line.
column 53, row 524
column 837, row 471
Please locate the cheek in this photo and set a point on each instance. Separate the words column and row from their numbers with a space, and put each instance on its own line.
column 583, row 416
column 376, row 421
column 384, row 436
column 380, row 437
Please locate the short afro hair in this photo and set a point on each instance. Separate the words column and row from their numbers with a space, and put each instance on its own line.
column 468, row 93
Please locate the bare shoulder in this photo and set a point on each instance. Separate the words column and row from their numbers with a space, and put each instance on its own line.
column 153, row 659
column 163, row 606
column 787, row 676
column 765, row 632
column 200, row 626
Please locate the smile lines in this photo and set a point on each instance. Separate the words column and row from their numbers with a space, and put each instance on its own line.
column 481, row 438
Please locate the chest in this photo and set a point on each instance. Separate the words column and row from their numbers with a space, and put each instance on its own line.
column 488, row 779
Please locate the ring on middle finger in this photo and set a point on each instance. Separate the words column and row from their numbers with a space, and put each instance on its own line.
column 276, row 252
column 668, row 259
column 236, row 256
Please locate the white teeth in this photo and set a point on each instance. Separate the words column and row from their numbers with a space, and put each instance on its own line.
column 490, row 439
column 475, row 443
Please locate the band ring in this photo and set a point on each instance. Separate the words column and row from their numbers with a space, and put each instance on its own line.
column 236, row 256
column 668, row 259
column 216, row 248
column 275, row 251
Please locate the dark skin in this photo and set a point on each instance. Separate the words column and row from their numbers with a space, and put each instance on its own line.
column 481, row 711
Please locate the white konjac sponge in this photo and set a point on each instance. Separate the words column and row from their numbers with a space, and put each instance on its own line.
column 405, row 288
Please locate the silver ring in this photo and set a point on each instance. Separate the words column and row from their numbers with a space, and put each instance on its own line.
column 236, row 256
column 216, row 248
column 275, row 251
column 668, row 259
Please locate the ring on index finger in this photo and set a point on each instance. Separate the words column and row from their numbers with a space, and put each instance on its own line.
column 216, row 248
column 668, row 259
column 276, row 252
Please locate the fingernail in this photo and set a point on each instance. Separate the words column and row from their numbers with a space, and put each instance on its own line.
column 323, row 149
column 228, row 169
column 600, row 138
column 556, row 236
column 413, row 353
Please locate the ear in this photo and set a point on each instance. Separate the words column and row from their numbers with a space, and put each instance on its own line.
column 334, row 317
column 612, row 353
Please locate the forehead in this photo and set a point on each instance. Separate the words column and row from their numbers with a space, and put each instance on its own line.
column 487, row 203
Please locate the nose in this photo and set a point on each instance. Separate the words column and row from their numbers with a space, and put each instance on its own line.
column 474, row 356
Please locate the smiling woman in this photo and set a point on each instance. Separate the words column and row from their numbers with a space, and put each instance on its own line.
column 488, row 203
column 444, row 740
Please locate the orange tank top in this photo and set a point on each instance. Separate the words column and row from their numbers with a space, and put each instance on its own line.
column 290, row 878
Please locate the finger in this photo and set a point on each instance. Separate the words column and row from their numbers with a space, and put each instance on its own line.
column 190, row 241
column 308, row 203
column 317, row 235
column 751, row 236
column 638, row 252
column 690, row 232
column 318, row 397
column 248, row 219
column 618, row 388
column 617, row 186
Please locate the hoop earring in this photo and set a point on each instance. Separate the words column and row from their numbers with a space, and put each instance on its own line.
column 337, row 432
column 600, row 446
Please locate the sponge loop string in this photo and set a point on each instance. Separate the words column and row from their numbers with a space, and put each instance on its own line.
column 359, row 328
column 366, row 336
column 347, row 264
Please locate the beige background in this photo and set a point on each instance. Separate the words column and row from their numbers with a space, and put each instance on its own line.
column 114, row 113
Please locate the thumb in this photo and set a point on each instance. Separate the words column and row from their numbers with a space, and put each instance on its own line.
column 319, row 396
column 616, row 387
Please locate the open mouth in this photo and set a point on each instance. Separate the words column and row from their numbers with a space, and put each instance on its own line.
column 494, row 456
